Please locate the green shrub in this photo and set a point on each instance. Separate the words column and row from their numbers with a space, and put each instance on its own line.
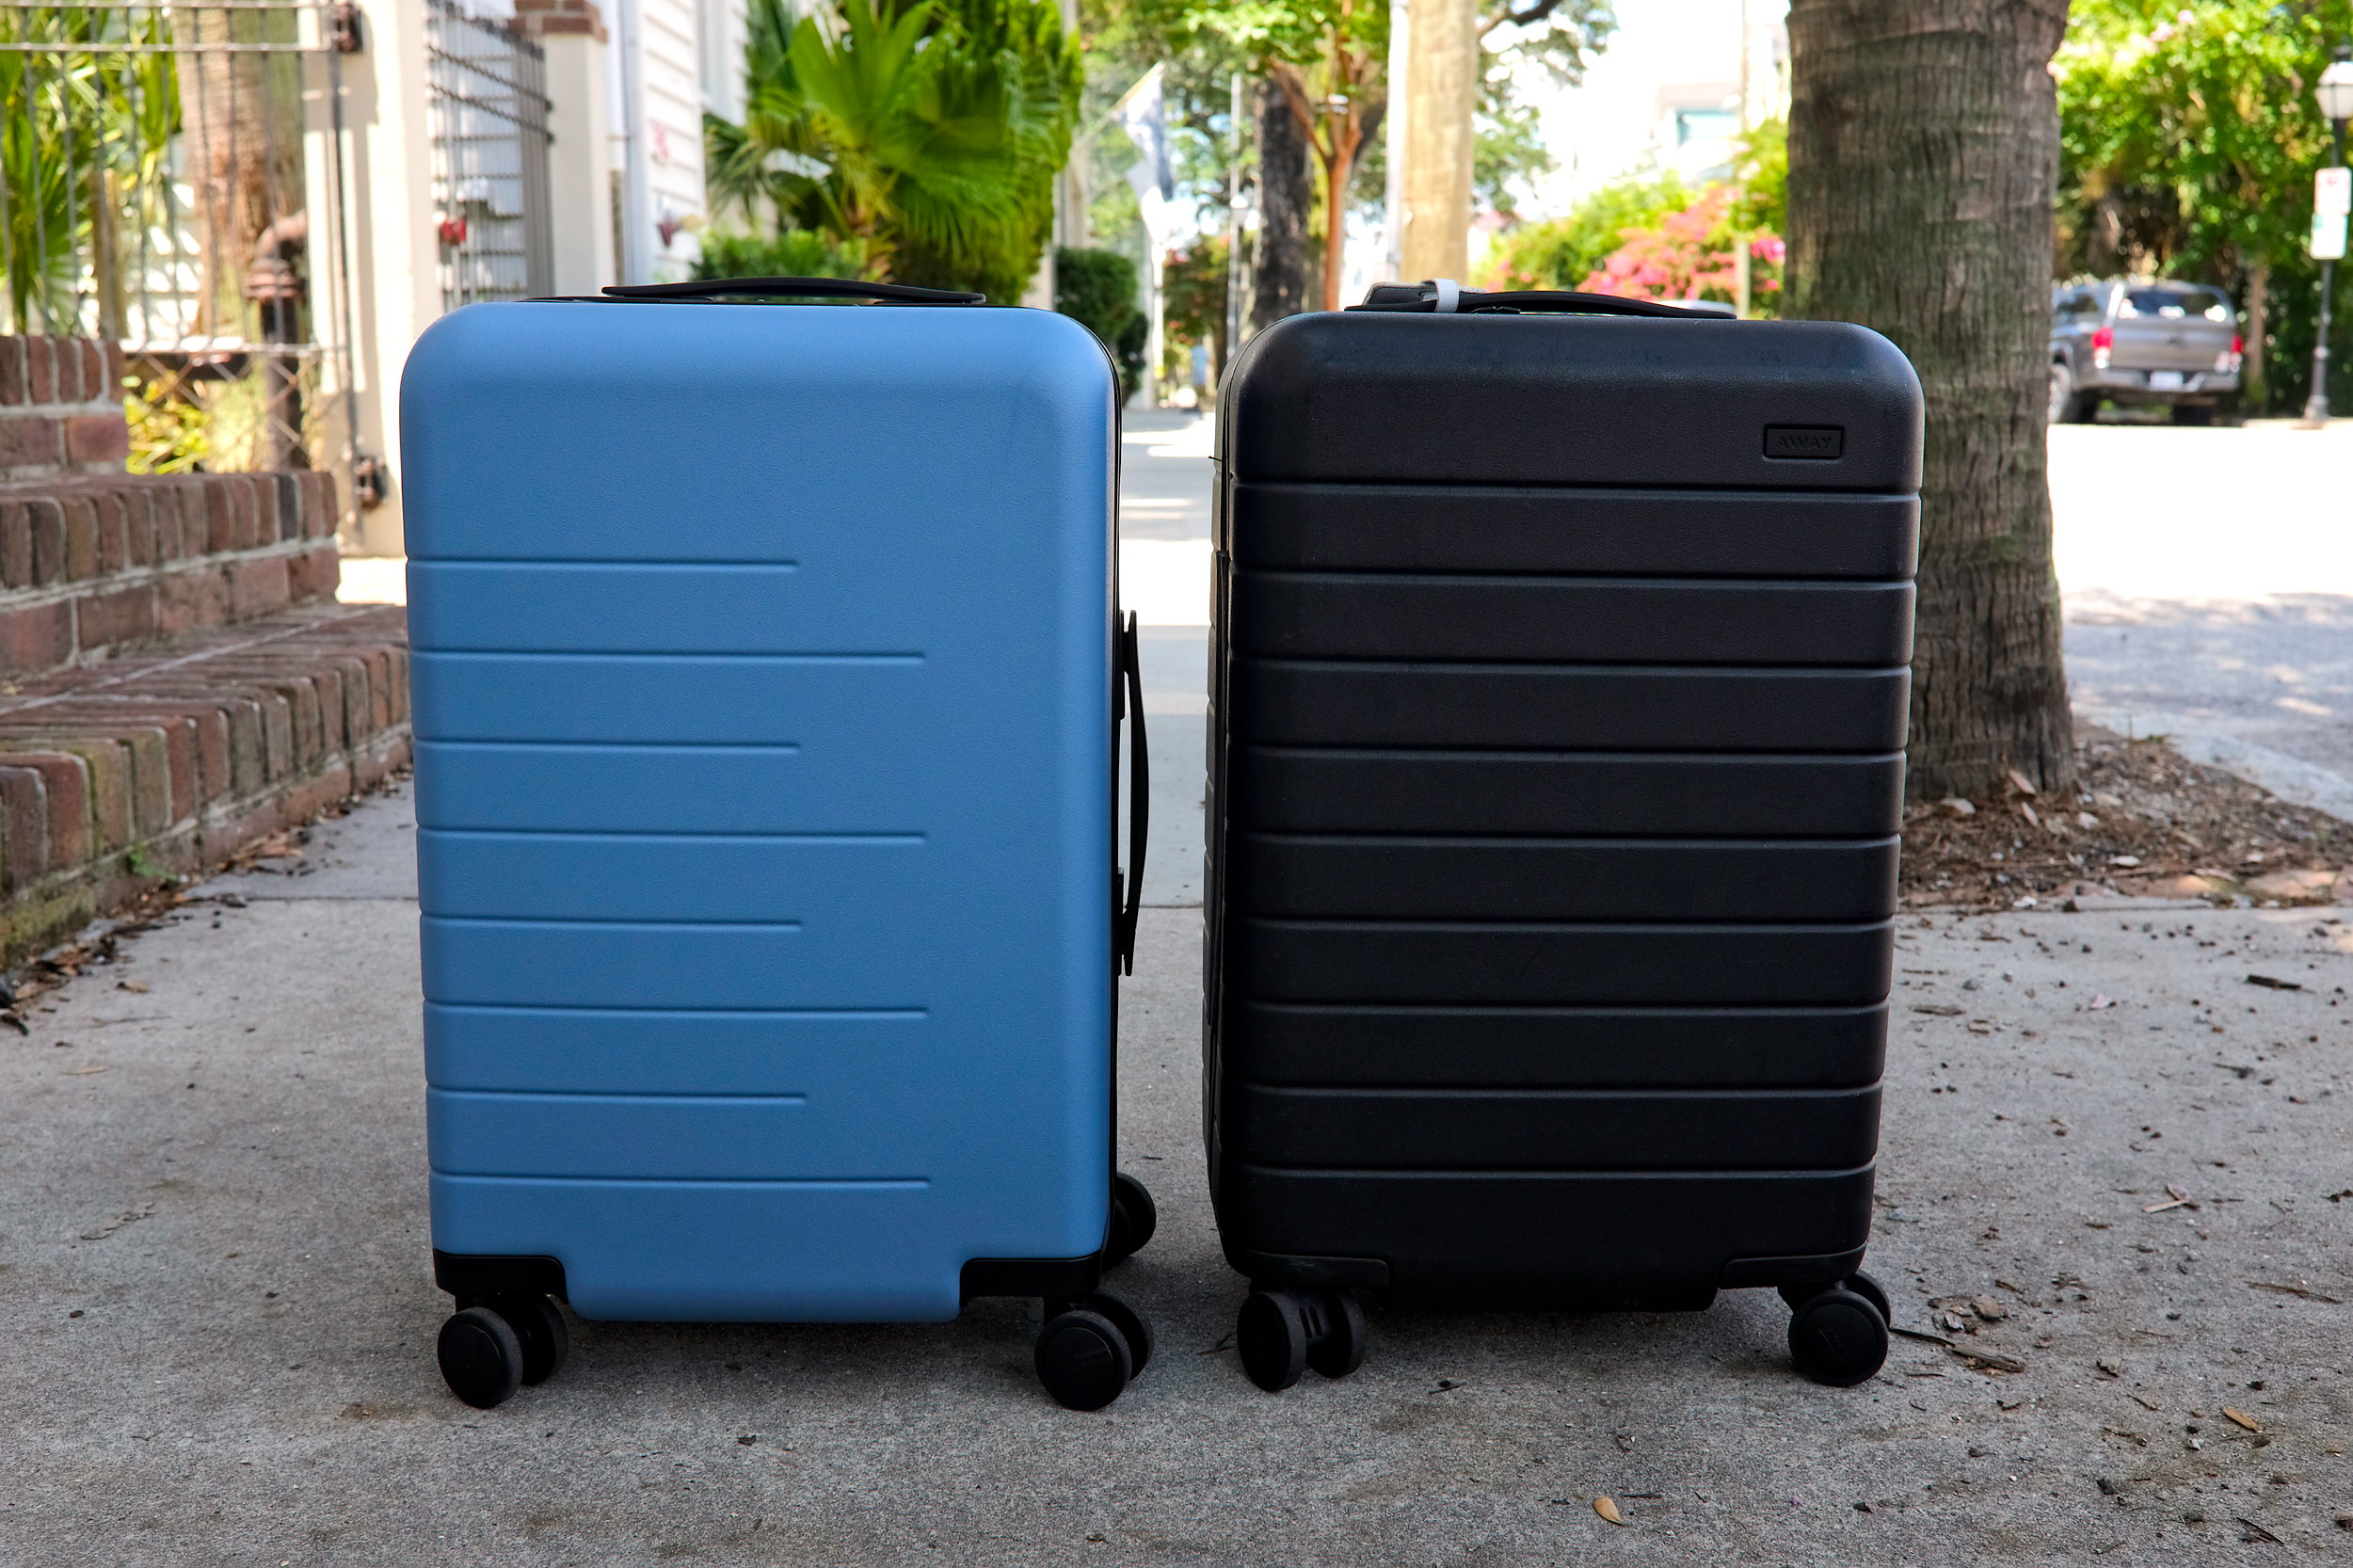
column 1097, row 289
column 790, row 254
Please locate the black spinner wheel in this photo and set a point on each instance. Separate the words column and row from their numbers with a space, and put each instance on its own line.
column 481, row 1356
column 1083, row 1359
column 1135, row 1218
column 1869, row 1288
column 1338, row 1349
column 1131, row 1324
column 537, row 1322
column 1838, row 1337
column 1281, row 1333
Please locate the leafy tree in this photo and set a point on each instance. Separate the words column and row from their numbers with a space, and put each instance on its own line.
column 1194, row 311
column 1507, row 147
column 926, row 132
column 1323, row 63
column 2188, row 138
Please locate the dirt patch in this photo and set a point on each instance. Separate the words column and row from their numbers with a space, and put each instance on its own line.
column 2140, row 821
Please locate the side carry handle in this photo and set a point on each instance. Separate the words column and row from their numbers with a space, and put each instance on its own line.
column 1445, row 297
column 809, row 288
column 1139, row 797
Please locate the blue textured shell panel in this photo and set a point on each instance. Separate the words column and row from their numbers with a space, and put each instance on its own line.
column 762, row 663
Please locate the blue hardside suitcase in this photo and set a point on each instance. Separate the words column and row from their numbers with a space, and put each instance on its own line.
column 767, row 684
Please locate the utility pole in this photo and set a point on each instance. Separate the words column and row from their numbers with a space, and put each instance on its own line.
column 2334, row 94
column 1233, row 234
column 1441, row 97
column 1743, row 280
column 1393, row 127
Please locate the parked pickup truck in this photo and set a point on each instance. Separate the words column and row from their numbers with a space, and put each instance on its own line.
column 2173, row 343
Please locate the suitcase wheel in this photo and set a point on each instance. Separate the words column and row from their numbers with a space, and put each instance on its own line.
column 1135, row 1218
column 1281, row 1333
column 489, row 1349
column 1090, row 1351
column 481, row 1356
column 1838, row 1337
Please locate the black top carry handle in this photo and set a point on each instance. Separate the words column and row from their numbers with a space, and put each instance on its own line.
column 1444, row 297
column 1139, row 798
column 810, row 288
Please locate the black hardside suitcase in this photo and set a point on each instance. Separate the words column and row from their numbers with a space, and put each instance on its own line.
column 1559, row 670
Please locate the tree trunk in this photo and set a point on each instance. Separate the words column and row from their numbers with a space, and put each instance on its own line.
column 1286, row 195
column 1923, row 153
column 2254, row 391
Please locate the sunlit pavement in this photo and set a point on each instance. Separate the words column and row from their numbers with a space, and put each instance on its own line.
column 2208, row 580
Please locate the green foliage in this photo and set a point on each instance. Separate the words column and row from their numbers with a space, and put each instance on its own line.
column 168, row 434
column 1761, row 173
column 786, row 253
column 1507, row 147
column 2188, row 138
column 926, row 133
column 1193, row 299
column 1563, row 251
column 1097, row 289
column 84, row 142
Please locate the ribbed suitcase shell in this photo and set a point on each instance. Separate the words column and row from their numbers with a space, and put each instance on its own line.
column 1556, row 775
column 762, row 688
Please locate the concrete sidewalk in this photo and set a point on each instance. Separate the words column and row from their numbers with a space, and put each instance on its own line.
column 212, row 1257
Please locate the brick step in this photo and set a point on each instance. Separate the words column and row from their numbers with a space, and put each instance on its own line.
column 115, row 776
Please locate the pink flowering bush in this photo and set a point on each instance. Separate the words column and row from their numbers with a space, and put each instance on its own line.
column 1691, row 255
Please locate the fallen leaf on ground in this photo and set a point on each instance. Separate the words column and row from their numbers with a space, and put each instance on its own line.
column 2098, row 1003
column 1918, row 1333
column 138, row 985
column 1988, row 1361
column 82, row 1072
column 2161, row 1207
column 2020, row 782
column 2257, row 1532
column 1609, row 1510
column 2243, row 1419
column 2107, row 1368
column 2127, row 1432
column 2304, row 1291
column 1935, row 1009
column 2145, row 1403
column 2264, row 980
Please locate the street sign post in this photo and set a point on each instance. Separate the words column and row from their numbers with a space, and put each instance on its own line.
column 2332, row 191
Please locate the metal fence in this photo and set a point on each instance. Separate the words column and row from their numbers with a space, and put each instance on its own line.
column 172, row 178
column 490, row 123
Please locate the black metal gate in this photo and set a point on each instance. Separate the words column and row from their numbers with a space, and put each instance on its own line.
column 490, row 121
column 162, row 186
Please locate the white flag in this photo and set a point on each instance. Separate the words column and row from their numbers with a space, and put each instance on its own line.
column 1143, row 115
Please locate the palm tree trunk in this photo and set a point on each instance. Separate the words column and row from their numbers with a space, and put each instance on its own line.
column 1923, row 153
column 1285, row 193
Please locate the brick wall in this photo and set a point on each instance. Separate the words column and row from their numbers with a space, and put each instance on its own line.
column 95, row 562
column 60, row 409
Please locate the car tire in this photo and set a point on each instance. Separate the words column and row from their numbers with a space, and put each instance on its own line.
column 2193, row 413
column 2068, row 406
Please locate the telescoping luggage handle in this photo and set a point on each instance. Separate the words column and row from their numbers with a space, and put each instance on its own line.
column 1139, row 794
column 809, row 288
column 1445, row 297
